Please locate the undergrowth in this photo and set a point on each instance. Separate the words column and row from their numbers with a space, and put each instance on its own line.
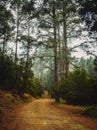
column 90, row 111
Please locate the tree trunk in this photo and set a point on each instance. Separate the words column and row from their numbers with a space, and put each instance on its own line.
column 57, row 98
column 28, row 43
column 17, row 33
column 65, row 47
column 4, row 42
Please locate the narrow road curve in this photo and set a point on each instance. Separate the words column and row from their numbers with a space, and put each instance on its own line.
column 42, row 115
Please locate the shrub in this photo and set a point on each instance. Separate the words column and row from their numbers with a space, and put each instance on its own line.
column 18, row 77
column 90, row 111
column 35, row 87
column 79, row 88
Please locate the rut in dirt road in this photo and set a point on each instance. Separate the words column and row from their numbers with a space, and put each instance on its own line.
column 41, row 115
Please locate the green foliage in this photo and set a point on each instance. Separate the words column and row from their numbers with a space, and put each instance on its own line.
column 6, row 20
column 95, row 64
column 28, row 6
column 18, row 77
column 90, row 111
column 88, row 11
column 34, row 87
column 79, row 88
column 49, row 83
column 88, row 65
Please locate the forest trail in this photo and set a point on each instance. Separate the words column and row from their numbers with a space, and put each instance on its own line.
column 44, row 114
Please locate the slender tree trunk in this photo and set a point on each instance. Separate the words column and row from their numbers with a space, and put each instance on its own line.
column 57, row 99
column 17, row 33
column 4, row 42
column 65, row 47
column 59, row 49
column 60, row 55
column 28, row 43
column 4, row 39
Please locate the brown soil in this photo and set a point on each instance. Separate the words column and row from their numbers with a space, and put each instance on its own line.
column 41, row 114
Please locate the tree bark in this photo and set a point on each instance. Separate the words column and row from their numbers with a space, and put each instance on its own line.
column 57, row 98
column 28, row 43
column 4, row 42
column 65, row 47
column 17, row 34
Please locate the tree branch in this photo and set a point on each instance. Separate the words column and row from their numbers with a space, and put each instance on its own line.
column 75, row 65
column 76, row 46
column 41, row 43
column 48, row 67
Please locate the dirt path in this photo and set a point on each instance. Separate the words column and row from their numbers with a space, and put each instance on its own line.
column 43, row 114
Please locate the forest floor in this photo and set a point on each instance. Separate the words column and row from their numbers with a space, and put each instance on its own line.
column 41, row 114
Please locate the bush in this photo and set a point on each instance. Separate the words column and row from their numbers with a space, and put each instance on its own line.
column 18, row 77
column 90, row 111
column 35, row 87
column 79, row 88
